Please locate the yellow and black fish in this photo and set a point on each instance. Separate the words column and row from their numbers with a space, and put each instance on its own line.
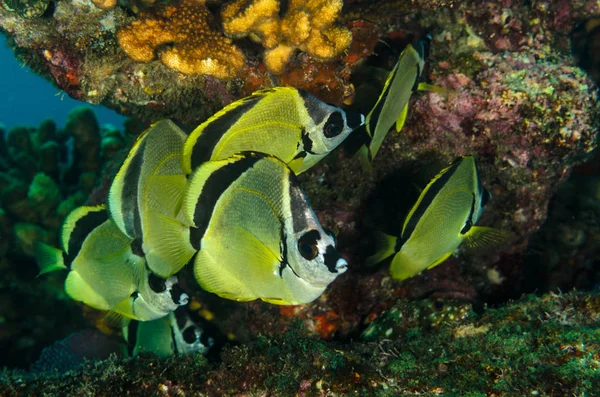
column 285, row 122
column 154, row 157
column 104, row 272
column 392, row 105
column 253, row 233
column 443, row 217
column 150, row 183
column 173, row 334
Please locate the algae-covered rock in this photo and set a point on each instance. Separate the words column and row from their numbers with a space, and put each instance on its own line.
column 83, row 127
column 544, row 346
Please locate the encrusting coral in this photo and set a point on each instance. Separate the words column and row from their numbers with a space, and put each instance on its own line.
column 308, row 25
column 183, row 36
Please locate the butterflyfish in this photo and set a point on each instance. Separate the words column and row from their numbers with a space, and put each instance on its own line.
column 104, row 272
column 392, row 105
column 443, row 217
column 150, row 184
column 173, row 334
column 285, row 122
column 253, row 233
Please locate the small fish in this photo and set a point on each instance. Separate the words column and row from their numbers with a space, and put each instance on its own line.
column 174, row 334
column 152, row 163
column 254, row 231
column 104, row 272
column 392, row 104
column 284, row 122
column 442, row 218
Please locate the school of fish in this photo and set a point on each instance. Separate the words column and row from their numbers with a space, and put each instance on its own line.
column 224, row 199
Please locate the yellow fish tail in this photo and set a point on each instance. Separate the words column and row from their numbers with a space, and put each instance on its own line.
column 49, row 259
column 384, row 247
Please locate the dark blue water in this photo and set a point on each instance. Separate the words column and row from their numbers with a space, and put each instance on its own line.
column 27, row 99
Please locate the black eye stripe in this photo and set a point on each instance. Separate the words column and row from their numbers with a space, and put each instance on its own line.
column 354, row 119
column 307, row 244
column 334, row 125
column 156, row 283
column 331, row 258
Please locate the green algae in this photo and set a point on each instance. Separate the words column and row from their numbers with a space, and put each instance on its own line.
column 544, row 346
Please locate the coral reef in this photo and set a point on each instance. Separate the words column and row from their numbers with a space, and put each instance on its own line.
column 184, row 39
column 45, row 172
column 308, row 25
column 75, row 46
column 536, row 346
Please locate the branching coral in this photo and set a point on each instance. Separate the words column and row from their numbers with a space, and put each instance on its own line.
column 308, row 25
column 183, row 36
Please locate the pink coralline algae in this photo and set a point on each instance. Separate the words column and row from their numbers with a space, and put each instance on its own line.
column 527, row 119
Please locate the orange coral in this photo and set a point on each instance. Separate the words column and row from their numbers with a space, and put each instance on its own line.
column 308, row 25
column 105, row 4
column 259, row 18
column 183, row 37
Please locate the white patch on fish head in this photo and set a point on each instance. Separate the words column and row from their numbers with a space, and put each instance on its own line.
column 163, row 296
column 328, row 127
column 310, row 251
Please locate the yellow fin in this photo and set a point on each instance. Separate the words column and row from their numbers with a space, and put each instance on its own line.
column 403, row 267
column 485, row 237
column 214, row 279
column 167, row 244
column 164, row 194
column 245, row 270
column 295, row 164
column 49, row 259
column 384, row 248
column 401, row 118
column 121, row 315
column 433, row 88
column 364, row 158
column 442, row 259
column 80, row 290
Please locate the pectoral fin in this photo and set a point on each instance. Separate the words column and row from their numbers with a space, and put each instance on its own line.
column 485, row 237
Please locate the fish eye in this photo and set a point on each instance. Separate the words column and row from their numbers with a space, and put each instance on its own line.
column 156, row 283
column 307, row 245
column 334, row 125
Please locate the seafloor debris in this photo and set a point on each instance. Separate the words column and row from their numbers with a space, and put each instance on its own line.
column 184, row 38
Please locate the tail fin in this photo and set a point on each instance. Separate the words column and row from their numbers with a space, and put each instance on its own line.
column 385, row 246
column 49, row 259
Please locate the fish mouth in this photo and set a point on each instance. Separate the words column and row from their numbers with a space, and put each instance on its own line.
column 354, row 119
column 341, row 265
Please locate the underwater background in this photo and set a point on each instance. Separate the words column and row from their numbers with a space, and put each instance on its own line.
column 512, row 83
